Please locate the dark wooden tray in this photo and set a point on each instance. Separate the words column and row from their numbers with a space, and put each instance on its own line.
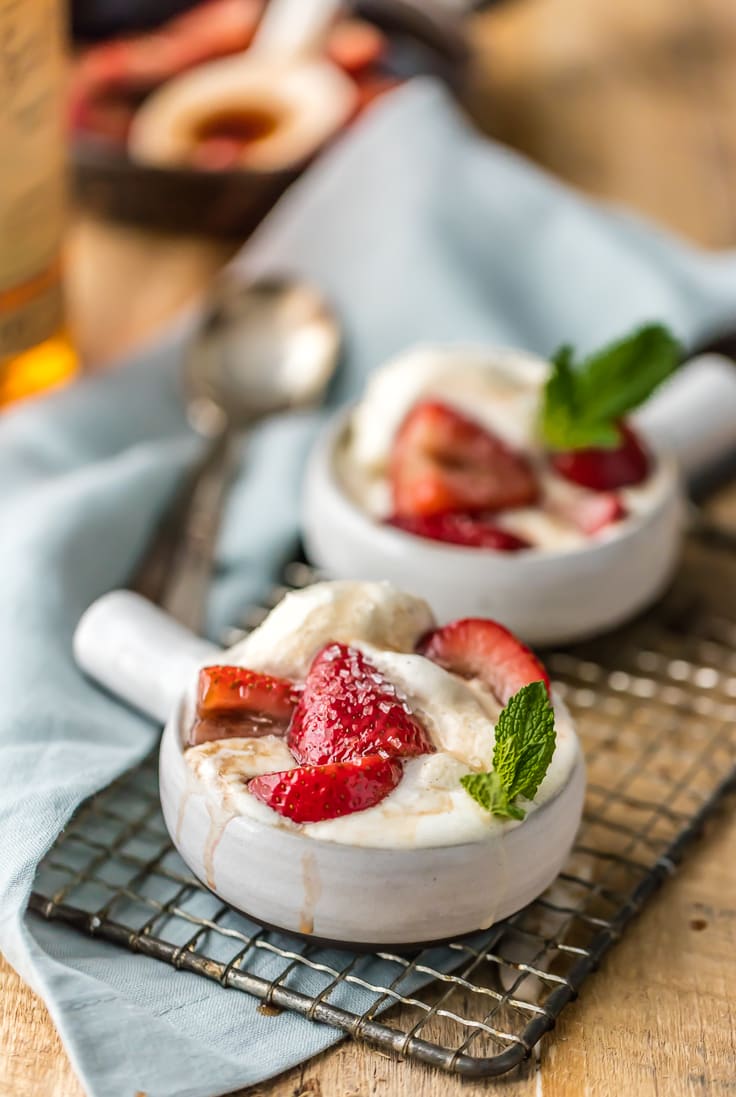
column 231, row 203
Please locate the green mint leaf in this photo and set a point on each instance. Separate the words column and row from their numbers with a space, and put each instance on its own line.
column 564, row 422
column 582, row 403
column 525, row 743
column 486, row 790
column 621, row 376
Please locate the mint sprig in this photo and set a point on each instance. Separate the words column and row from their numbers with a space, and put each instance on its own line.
column 584, row 401
column 525, row 743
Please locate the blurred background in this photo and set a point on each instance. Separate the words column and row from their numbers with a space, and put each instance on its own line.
column 631, row 102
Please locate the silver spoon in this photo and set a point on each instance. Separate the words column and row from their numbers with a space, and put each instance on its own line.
column 263, row 347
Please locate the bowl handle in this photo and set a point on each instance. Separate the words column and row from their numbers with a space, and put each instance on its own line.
column 694, row 416
column 138, row 652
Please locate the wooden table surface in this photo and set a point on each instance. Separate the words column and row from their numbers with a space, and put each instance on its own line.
column 634, row 102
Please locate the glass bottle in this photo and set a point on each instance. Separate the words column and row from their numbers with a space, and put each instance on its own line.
column 35, row 349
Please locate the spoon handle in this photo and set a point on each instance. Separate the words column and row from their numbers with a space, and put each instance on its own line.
column 153, row 570
column 294, row 29
column 184, row 595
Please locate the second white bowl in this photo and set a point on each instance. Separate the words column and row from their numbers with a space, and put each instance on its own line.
column 546, row 597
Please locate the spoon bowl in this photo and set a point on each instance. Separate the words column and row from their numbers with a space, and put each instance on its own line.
column 263, row 347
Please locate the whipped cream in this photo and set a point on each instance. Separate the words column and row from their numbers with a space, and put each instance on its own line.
column 428, row 807
column 305, row 621
column 502, row 391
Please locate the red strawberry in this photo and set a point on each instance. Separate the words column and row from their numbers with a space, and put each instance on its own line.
column 353, row 45
column 591, row 512
column 443, row 461
column 235, row 701
column 228, row 689
column 478, row 648
column 605, row 469
column 348, row 710
column 457, row 527
column 313, row 793
column 204, row 730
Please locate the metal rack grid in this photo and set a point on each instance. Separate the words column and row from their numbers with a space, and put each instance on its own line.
column 656, row 708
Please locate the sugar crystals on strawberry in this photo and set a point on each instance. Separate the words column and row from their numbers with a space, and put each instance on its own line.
column 311, row 794
column 348, row 710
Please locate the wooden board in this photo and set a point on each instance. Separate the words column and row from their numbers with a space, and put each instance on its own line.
column 634, row 102
column 659, row 1019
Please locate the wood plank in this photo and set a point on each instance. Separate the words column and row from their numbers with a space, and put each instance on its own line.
column 631, row 102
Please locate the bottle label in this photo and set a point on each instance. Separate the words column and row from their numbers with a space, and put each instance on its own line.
column 32, row 185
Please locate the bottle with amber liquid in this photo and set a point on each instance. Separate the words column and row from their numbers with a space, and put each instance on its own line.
column 35, row 350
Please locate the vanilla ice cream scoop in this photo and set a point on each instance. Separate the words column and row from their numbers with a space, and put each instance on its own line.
column 306, row 620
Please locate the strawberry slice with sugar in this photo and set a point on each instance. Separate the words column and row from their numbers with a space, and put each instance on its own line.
column 311, row 794
column 475, row 647
column 237, row 690
column 234, row 701
column 605, row 469
column 442, row 461
column 349, row 710
column 457, row 527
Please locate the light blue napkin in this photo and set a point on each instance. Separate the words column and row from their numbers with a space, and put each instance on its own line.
column 418, row 230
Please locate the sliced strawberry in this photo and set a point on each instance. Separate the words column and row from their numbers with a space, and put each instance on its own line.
column 354, row 44
column 591, row 512
column 605, row 469
column 475, row 647
column 348, row 710
column 237, row 702
column 205, row 729
column 443, row 461
column 238, row 691
column 458, row 527
column 313, row 793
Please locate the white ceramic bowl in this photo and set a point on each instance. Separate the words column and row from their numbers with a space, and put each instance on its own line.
column 546, row 597
column 543, row 596
column 355, row 895
column 309, row 102
column 340, row 893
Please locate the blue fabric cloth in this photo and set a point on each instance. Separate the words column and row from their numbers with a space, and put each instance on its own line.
column 419, row 230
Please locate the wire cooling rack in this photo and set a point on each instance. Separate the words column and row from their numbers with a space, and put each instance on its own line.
column 656, row 708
